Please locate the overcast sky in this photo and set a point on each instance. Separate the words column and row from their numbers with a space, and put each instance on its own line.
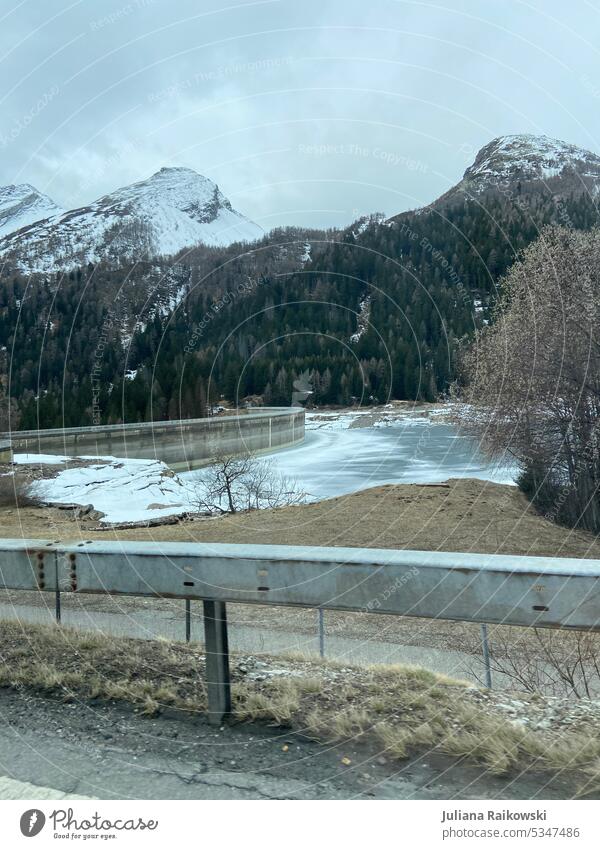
column 304, row 111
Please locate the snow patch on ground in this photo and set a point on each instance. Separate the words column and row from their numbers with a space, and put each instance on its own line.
column 124, row 490
column 38, row 459
column 330, row 421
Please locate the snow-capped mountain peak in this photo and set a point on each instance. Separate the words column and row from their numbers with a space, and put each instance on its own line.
column 22, row 205
column 529, row 157
column 526, row 165
column 174, row 209
column 184, row 189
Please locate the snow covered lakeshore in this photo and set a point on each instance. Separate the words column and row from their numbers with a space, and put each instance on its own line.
column 39, row 459
column 344, row 452
column 124, row 490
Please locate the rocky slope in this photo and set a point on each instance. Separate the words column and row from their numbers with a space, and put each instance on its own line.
column 528, row 164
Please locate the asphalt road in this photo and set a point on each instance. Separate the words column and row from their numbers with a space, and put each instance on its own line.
column 107, row 751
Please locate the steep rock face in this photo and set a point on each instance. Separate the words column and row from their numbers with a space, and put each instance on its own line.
column 509, row 160
column 174, row 209
column 525, row 164
column 23, row 205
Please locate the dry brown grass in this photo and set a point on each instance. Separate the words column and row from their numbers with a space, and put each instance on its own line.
column 466, row 515
column 403, row 710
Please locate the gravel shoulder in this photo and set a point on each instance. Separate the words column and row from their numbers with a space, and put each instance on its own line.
column 108, row 751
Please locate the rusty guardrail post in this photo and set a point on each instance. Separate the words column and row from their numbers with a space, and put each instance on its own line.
column 218, row 682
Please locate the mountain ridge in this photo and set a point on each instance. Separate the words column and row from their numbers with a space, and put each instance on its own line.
column 380, row 309
column 175, row 208
column 516, row 165
column 21, row 205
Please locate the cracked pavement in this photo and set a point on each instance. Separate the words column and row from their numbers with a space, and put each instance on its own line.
column 107, row 750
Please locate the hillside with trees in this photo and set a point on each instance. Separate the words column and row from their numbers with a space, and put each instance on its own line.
column 373, row 312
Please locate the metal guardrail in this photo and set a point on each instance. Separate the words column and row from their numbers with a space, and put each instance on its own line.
column 484, row 588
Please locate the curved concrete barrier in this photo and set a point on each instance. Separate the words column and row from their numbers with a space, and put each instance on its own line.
column 182, row 445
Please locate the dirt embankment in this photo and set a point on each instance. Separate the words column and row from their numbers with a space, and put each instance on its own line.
column 461, row 515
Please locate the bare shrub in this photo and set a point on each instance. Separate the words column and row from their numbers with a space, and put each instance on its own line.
column 234, row 483
column 541, row 660
column 264, row 487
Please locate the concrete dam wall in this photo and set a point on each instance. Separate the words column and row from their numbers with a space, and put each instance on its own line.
column 182, row 445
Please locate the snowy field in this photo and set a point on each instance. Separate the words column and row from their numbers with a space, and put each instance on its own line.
column 342, row 453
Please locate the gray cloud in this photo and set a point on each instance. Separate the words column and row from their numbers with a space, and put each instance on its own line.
column 309, row 113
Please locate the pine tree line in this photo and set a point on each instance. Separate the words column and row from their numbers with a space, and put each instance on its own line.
column 166, row 339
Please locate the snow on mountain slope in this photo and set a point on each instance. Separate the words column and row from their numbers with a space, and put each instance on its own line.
column 524, row 166
column 174, row 209
column 528, row 157
column 23, row 205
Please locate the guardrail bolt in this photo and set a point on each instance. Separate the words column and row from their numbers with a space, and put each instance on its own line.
column 40, row 570
column 73, row 572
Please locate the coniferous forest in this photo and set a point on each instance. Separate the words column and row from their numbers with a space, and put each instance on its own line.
column 370, row 313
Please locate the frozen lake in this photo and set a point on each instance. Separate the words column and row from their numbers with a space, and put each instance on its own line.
column 337, row 457
column 342, row 453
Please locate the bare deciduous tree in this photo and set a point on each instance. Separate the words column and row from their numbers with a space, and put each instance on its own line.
column 532, row 379
column 233, row 483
